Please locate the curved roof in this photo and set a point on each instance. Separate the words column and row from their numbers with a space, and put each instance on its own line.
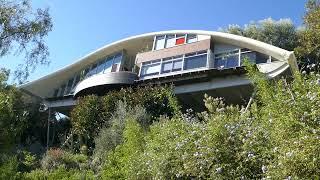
column 44, row 85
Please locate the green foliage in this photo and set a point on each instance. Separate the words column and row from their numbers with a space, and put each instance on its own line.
column 309, row 48
column 13, row 114
column 55, row 158
column 86, row 116
column 277, row 137
column 121, row 162
column 60, row 173
column 9, row 167
column 24, row 30
column 93, row 112
column 20, row 120
column 110, row 137
column 269, row 31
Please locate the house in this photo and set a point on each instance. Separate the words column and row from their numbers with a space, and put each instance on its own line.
column 195, row 61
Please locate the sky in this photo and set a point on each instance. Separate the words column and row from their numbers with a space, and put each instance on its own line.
column 80, row 27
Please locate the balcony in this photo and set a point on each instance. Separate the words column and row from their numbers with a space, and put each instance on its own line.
column 104, row 82
column 199, row 61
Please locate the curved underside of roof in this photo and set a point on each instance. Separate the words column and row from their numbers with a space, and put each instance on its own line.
column 42, row 86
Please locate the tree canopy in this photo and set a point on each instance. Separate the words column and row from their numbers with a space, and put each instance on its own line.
column 269, row 31
column 22, row 32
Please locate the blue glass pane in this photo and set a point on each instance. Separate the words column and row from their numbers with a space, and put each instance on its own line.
column 117, row 58
column 232, row 61
column 177, row 65
column 251, row 56
column 219, row 63
column 108, row 65
column 166, row 67
column 195, row 62
column 150, row 70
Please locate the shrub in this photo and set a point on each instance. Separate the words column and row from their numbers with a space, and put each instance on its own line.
column 112, row 136
column 121, row 162
column 92, row 113
column 59, row 173
column 9, row 167
column 55, row 158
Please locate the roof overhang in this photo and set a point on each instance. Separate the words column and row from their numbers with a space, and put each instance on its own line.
column 43, row 86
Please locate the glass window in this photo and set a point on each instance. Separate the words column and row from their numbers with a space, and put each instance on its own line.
column 69, row 85
column 177, row 65
column 232, row 61
column 62, row 89
column 76, row 81
column 226, row 61
column 191, row 38
column 160, row 41
column 180, row 41
column 100, row 67
column 219, row 63
column 108, row 64
column 152, row 69
column 117, row 58
column 250, row 56
column 55, row 93
column 171, row 40
column 166, row 67
column 195, row 62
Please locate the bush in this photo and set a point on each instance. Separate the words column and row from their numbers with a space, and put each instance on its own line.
column 92, row 113
column 55, row 158
column 9, row 167
column 121, row 162
column 110, row 137
column 59, row 173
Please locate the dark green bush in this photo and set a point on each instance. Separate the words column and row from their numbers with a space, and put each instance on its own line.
column 9, row 167
column 93, row 112
column 59, row 173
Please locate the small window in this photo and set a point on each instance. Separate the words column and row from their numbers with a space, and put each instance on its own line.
column 160, row 41
column 195, row 62
column 149, row 70
column 177, row 65
column 166, row 67
column 191, row 38
column 180, row 41
column 170, row 42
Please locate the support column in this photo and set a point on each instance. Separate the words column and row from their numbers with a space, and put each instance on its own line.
column 48, row 128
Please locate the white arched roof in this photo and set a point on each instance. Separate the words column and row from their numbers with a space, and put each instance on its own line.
column 44, row 86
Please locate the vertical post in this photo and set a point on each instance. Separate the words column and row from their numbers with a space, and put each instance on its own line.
column 48, row 129
column 239, row 61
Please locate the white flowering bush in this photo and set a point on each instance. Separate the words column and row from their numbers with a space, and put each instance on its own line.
column 276, row 137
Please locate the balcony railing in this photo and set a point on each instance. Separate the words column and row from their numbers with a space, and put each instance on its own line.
column 197, row 61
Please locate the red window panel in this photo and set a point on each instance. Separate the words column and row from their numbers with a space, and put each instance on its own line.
column 180, row 41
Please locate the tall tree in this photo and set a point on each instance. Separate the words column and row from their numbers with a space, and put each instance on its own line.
column 309, row 48
column 281, row 33
column 22, row 32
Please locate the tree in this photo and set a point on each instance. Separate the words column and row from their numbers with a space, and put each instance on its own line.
column 309, row 48
column 23, row 31
column 270, row 31
column 20, row 120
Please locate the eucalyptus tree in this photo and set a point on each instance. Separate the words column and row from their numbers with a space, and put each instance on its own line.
column 22, row 32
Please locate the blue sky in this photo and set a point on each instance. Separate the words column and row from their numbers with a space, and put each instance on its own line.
column 80, row 27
